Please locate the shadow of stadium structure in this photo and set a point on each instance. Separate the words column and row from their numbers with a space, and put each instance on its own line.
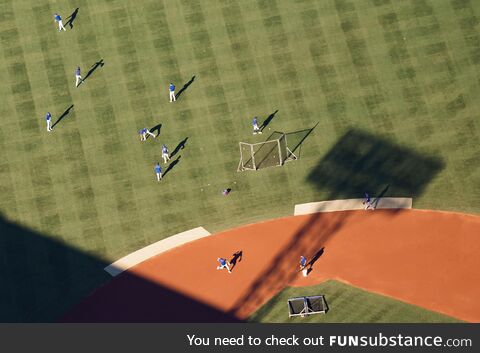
column 358, row 162
column 42, row 279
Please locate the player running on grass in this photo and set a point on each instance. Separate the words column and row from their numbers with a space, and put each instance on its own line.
column 165, row 155
column 143, row 134
column 58, row 19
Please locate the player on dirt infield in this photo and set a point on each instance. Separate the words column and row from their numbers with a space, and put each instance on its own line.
column 303, row 265
column 48, row 118
column 255, row 126
column 165, row 155
column 172, row 92
column 223, row 264
column 58, row 19
column 303, row 262
column 143, row 134
column 158, row 171
column 78, row 77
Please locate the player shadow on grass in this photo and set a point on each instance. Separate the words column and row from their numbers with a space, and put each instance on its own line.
column 156, row 128
column 64, row 114
column 72, row 18
column 363, row 162
column 184, row 88
column 236, row 257
column 93, row 68
column 268, row 120
column 180, row 146
column 172, row 165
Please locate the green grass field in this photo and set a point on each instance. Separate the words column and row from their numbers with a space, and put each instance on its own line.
column 405, row 72
column 347, row 304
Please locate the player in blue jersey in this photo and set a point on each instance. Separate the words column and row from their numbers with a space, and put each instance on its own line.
column 223, row 264
column 172, row 92
column 58, row 19
column 143, row 134
column 165, row 155
column 303, row 262
column 255, row 126
column 368, row 202
column 48, row 119
column 78, row 77
column 303, row 266
column 158, row 171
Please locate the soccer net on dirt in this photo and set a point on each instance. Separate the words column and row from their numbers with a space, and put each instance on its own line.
column 271, row 153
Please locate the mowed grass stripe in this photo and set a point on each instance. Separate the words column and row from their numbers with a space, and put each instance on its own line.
column 413, row 104
column 468, row 23
column 218, row 113
column 81, row 196
column 8, row 201
column 280, row 49
column 119, row 204
column 373, row 98
column 336, row 105
column 37, row 170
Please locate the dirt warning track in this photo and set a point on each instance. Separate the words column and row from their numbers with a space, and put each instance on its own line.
column 430, row 259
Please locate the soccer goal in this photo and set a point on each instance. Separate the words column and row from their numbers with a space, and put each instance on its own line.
column 304, row 306
column 271, row 153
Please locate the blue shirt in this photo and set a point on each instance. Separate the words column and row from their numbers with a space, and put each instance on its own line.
column 303, row 260
column 172, row 87
column 77, row 71
column 58, row 18
column 254, row 121
column 48, row 116
column 158, row 169
column 367, row 197
column 164, row 149
column 143, row 131
column 223, row 262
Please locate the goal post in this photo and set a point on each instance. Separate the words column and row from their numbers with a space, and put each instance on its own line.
column 271, row 153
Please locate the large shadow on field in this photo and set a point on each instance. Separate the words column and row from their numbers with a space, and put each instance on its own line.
column 356, row 163
column 42, row 278
column 361, row 162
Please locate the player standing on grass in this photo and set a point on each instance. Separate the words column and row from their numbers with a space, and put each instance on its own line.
column 223, row 264
column 143, row 134
column 172, row 92
column 48, row 118
column 158, row 171
column 58, row 19
column 165, row 155
column 78, row 77
column 255, row 126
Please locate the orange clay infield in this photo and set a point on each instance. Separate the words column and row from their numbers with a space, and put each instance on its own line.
column 430, row 259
